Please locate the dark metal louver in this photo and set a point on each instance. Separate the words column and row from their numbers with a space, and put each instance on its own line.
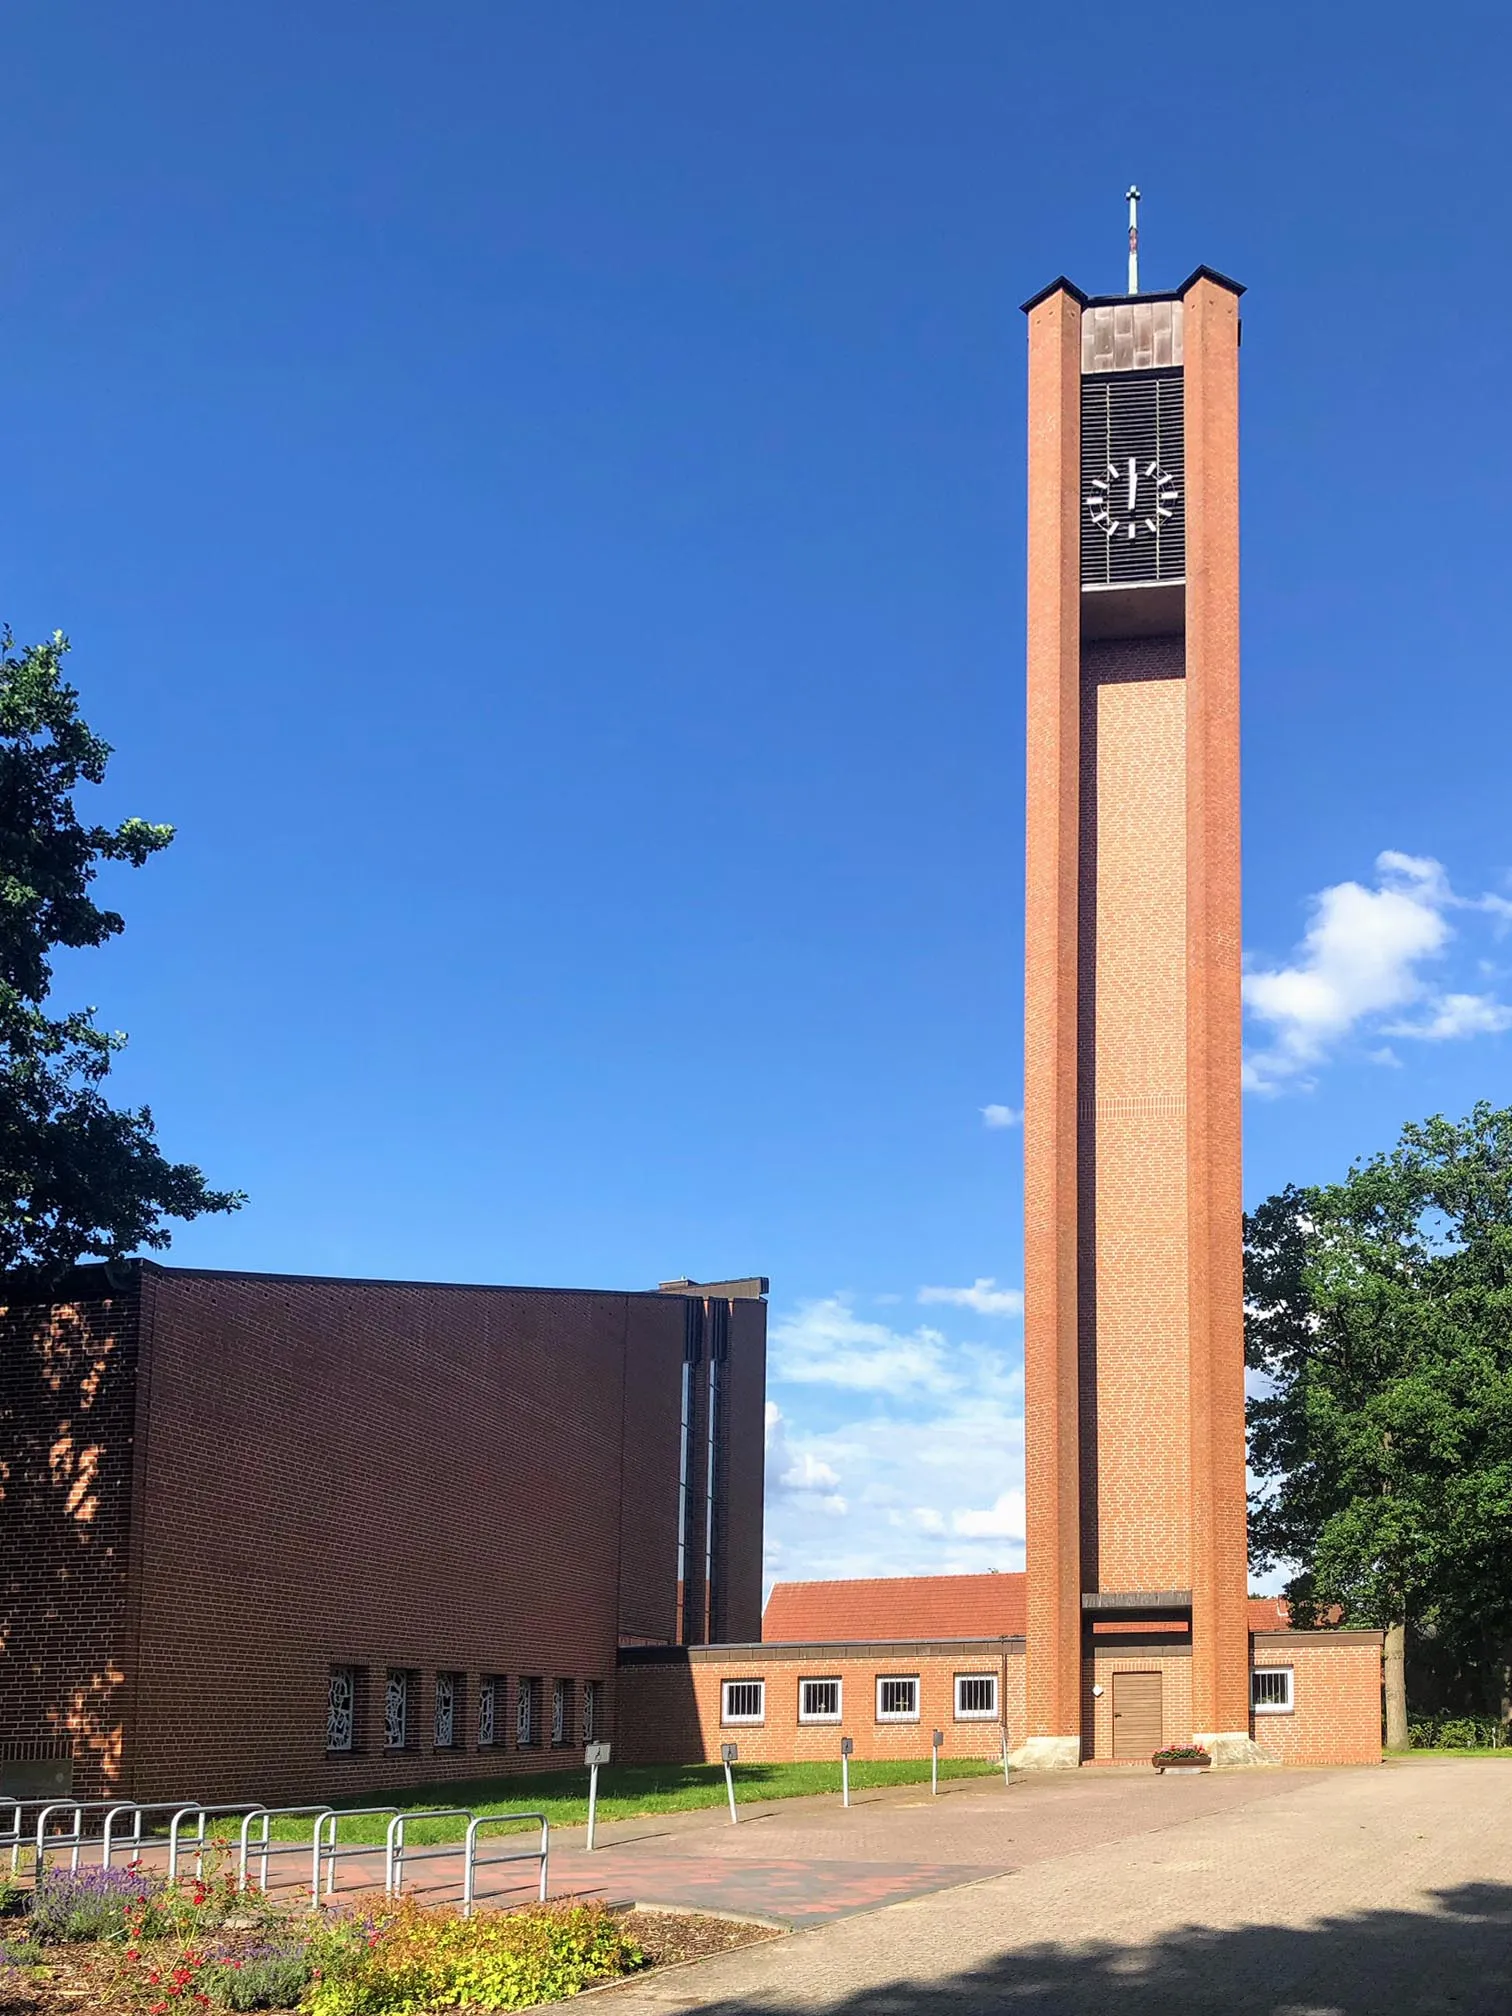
column 1133, row 469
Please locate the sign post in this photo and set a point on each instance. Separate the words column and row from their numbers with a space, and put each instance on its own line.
column 728, row 1754
column 847, row 1745
column 934, row 1762
column 594, row 1755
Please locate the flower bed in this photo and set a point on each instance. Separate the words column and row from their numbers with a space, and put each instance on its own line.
column 1181, row 1757
column 124, row 1940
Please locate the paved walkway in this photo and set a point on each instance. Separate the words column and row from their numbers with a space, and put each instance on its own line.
column 1348, row 1893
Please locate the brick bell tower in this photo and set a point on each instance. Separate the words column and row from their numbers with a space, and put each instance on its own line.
column 1134, row 1378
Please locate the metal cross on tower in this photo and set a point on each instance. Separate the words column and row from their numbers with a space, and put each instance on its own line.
column 1133, row 239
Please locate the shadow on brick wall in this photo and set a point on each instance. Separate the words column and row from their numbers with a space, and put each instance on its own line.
column 67, row 1404
column 1374, row 1963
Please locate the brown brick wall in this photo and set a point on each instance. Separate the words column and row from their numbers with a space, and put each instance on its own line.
column 1052, row 1459
column 67, row 1420
column 1336, row 1690
column 670, row 1709
column 1132, row 1119
column 378, row 1475
column 1220, row 1625
column 1175, row 1669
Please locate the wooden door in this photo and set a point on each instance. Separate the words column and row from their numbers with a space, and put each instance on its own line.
column 1138, row 1729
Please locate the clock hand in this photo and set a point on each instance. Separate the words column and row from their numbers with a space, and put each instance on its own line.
column 1133, row 481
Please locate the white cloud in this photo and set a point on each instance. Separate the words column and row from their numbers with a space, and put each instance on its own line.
column 910, row 1463
column 1001, row 1116
column 1456, row 1015
column 827, row 1344
column 984, row 1296
column 1003, row 1520
column 1368, row 954
column 798, row 1473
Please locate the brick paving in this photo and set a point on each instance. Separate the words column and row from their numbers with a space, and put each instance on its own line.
column 1347, row 1893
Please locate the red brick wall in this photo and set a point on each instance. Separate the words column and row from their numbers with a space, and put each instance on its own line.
column 376, row 1475
column 1175, row 1670
column 670, row 1709
column 1336, row 1691
column 67, row 1405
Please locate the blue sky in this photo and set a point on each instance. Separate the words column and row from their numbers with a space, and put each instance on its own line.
column 536, row 493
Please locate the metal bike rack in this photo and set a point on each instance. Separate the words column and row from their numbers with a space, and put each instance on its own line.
column 394, row 1849
column 202, row 1813
column 265, row 1848
column 108, row 1841
column 472, row 1858
column 21, row 1834
column 75, row 1841
column 328, row 1853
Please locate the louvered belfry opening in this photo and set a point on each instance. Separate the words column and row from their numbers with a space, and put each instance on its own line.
column 1133, row 417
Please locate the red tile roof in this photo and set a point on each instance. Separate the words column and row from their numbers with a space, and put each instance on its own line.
column 895, row 1606
column 924, row 1606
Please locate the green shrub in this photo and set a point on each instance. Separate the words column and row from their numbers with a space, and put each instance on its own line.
column 70, row 1904
column 269, row 1976
column 416, row 1959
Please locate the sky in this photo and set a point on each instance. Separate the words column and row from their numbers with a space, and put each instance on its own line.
column 536, row 494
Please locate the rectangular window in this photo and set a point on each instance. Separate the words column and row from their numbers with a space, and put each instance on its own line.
column 744, row 1701
column 448, row 1716
column 396, row 1691
column 898, row 1699
column 590, row 1709
column 561, row 1711
column 818, row 1700
column 976, row 1697
column 525, row 1715
column 341, row 1709
column 1271, row 1690
column 490, row 1697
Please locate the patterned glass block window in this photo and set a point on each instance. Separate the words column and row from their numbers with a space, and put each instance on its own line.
column 590, row 1709
column 561, row 1711
column 396, row 1709
column 488, row 1709
column 525, row 1715
column 448, row 1709
column 341, row 1708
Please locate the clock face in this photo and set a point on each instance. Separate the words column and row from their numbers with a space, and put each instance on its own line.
column 1132, row 499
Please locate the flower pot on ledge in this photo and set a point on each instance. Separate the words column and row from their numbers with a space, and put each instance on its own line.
column 1182, row 1760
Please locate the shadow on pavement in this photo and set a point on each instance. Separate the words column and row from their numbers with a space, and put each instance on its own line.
column 1457, row 1958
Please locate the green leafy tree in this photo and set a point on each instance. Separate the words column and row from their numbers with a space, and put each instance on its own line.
column 79, row 1179
column 1380, row 1311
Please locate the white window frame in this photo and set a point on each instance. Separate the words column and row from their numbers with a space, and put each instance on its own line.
column 963, row 1714
column 561, row 1693
column 590, row 1709
column 898, row 1680
column 1288, row 1707
column 736, row 1721
column 822, row 1680
column 488, row 1711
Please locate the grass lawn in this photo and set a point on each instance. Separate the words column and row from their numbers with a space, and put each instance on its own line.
column 1406, row 1756
column 625, row 1792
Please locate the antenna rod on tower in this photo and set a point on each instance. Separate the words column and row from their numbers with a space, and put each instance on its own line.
column 1133, row 239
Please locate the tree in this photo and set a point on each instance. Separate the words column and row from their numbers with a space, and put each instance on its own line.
column 1379, row 1310
column 78, row 1178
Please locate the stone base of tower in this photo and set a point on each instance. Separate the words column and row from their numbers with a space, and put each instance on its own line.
column 1236, row 1750
column 1048, row 1753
